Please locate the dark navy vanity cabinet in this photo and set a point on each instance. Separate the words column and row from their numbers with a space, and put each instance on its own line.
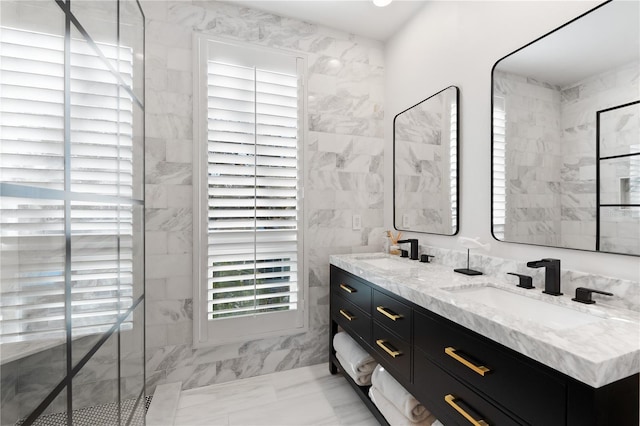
column 462, row 377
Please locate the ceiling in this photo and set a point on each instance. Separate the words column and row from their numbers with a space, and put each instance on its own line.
column 582, row 49
column 360, row 17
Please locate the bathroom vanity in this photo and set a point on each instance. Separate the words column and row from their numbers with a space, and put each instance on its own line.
column 471, row 362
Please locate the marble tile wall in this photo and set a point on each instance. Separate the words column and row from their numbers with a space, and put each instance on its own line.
column 620, row 180
column 626, row 292
column 422, row 166
column 533, row 159
column 551, row 160
column 579, row 103
column 344, row 172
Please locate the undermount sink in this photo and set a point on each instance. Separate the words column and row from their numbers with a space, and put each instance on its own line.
column 526, row 308
column 385, row 263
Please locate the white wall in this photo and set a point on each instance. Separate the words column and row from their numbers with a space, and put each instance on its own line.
column 457, row 43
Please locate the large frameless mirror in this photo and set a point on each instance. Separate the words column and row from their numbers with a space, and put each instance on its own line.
column 566, row 136
column 425, row 165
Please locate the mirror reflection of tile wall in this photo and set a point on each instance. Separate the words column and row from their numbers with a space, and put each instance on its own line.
column 551, row 159
column 619, row 155
column 425, row 165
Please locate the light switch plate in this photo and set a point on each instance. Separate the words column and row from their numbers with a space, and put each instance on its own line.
column 356, row 222
column 405, row 221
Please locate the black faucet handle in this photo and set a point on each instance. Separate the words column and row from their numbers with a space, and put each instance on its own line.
column 404, row 253
column 525, row 281
column 414, row 247
column 583, row 295
column 424, row 258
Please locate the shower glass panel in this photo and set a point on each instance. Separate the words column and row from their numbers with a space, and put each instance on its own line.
column 99, row 21
column 132, row 36
column 72, row 212
column 32, row 265
column 134, row 116
column 132, row 364
column 95, row 386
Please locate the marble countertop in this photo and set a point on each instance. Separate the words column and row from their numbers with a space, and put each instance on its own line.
column 597, row 353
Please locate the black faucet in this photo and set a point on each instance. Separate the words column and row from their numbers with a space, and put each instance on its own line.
column 551, row 274
column 414, row 247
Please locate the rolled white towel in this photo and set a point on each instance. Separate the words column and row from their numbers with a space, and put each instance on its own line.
column 392, row 414
column 437, row 423
column 361, row 379
column 398, row 395
column 359, row 360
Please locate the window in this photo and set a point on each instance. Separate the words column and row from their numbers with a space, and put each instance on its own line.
column 248, row 263
column 499, row 206
column 32, row 159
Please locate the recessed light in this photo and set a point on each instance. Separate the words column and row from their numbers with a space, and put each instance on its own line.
column 382, row 3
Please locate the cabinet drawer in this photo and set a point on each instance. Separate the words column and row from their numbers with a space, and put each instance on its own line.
column 512, row 380
column 446, row 396
column 349, row 287
column 351, row 318
column 394, row 315
column 394, row 353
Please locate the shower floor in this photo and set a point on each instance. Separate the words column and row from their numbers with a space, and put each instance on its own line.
column 96, row 415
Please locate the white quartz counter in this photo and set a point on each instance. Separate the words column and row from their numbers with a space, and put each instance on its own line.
column 597, row 353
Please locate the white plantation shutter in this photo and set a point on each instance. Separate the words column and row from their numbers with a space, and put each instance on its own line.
column 499, row 168
column 453, row 161
column 253, row 186
column 32, row 155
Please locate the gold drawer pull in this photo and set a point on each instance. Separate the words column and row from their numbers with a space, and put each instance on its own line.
column 481, row 370
column 450, row 399
column 348, row 289
column 347, row 315
column 385, row 348
column 388, row 314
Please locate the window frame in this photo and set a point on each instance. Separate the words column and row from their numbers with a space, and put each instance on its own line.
column 237, row 328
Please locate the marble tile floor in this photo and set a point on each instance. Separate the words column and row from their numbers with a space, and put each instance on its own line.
column 303, row 396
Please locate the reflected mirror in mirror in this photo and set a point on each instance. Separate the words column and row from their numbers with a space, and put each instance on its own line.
column 566, row 135
column 425, row 165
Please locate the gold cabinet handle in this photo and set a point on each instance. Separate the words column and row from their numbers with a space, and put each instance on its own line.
column 388, row 314
column 348, row 289
column 385, row 348
column 481, row 370
column 347, row 315
column 450, row 399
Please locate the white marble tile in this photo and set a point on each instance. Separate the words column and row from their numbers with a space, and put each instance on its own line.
column 156, row 336
column 165, row 265
column 179, row 196
column 179, row 287
column 180, row 242
column 164, row 404
column 227, row 398
column 169, row 311
column 156, row 242
column 179, row 150
column 180, row 333
column 156, row 289
column 303, row 396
